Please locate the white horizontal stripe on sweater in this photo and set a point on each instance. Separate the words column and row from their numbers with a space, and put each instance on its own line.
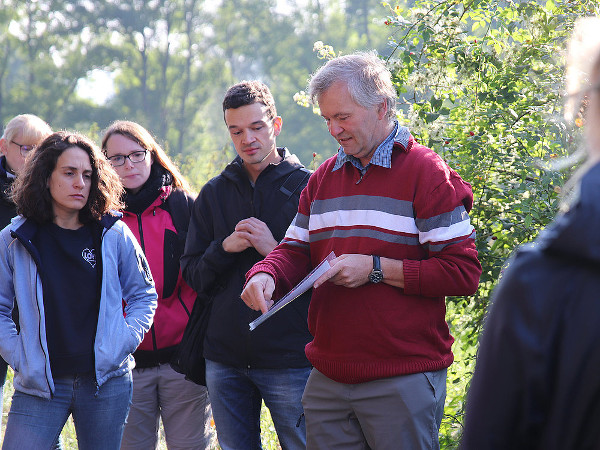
column 385, row 222
column 461, row 229
column 367, row 218
column 296, row 233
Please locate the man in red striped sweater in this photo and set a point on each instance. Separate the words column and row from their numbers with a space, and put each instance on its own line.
column 397, row 217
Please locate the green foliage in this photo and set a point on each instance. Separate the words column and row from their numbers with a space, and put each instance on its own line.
column 199, row 171
column 171, row 61
column 481, row 82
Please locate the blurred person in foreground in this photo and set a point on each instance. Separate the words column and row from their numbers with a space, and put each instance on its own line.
column 158, row 203
column 21, row 134
column 68, row 263
column 397, row 218
column 536, row 382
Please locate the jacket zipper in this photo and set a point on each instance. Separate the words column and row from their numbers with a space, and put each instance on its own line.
column 40, row 340
column 141, row 231
column 28, row 246
column 142, row 244
column 185, row 308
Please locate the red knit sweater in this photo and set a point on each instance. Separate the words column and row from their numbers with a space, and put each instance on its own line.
column 415, row 211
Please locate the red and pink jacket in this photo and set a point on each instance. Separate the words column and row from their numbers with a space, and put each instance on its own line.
column 158, row 237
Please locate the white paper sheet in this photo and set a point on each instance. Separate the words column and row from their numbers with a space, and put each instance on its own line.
column 298, row 290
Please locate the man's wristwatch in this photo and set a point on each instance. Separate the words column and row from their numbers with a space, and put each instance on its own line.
column 376, row 275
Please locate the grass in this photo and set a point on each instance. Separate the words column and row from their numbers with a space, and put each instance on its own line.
column 69, row 439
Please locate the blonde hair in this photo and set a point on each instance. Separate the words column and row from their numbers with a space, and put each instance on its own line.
column 32, row 128
column 581, row 76
column 139, row 134
column 582, row 63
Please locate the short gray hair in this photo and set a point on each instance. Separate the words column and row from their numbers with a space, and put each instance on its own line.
column 368, row 79
column 31, row 127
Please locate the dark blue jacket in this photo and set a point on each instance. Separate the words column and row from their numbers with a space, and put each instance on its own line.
column 8, row 210
column 219, row 276
column 537, row 379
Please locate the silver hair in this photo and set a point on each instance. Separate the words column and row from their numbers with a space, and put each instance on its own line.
column 368, row 79
column 30, row 126
column 583, row 63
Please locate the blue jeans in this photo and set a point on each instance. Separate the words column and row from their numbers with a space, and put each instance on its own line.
column 236, row 396
column 98, row 414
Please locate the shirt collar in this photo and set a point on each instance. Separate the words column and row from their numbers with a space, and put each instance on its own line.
column 383, row 153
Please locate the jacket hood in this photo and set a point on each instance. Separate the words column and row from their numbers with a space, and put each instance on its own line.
column 235, row 169
column 24, row 228
column 575, row 233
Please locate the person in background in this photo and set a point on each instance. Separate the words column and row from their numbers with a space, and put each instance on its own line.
column 68, row 263
column 238, row 218
column 536, row 384
column 21, row 134
column 397, row 218
column 158, row 203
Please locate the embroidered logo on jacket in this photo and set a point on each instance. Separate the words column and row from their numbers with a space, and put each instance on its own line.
column 145, row 269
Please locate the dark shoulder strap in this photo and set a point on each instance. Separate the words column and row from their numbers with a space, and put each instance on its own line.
column 293, row 182
column 178, row 205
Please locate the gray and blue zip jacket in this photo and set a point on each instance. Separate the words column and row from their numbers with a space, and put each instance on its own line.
column 125, row 277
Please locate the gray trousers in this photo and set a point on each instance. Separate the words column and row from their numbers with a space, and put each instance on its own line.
column 403, row 412
column 160, row 392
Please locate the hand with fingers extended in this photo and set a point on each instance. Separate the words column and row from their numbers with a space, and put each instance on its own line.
column 250, row 232
column 348, row 270
column 258, row 292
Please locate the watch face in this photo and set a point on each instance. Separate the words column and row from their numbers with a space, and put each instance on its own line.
column 376, row 276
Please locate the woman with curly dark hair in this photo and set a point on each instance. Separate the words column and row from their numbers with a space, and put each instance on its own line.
column 69, row 263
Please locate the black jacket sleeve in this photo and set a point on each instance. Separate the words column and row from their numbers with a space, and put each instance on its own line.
column 203, row 258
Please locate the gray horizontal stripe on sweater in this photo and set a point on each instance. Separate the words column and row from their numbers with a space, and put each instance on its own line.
column 363, row 202
column 364, row 232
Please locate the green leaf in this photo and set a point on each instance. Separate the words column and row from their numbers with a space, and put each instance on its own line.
column 430, row 117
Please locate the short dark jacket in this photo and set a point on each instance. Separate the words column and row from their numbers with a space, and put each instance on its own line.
column 220, row 276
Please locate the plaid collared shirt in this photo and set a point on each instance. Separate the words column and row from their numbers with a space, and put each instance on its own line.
column 382, row 155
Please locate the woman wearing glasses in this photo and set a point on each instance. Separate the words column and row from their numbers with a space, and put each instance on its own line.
column 21, row 134
column 70, row 264
column 157, row 209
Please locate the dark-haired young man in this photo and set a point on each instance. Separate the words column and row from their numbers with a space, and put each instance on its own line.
column 238, row 218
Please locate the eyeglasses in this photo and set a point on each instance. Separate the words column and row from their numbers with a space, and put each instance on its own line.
column 134, row 157
column 24, row 149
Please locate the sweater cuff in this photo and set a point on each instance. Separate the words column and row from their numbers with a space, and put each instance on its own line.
column 412, row 280
column 261, row 267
